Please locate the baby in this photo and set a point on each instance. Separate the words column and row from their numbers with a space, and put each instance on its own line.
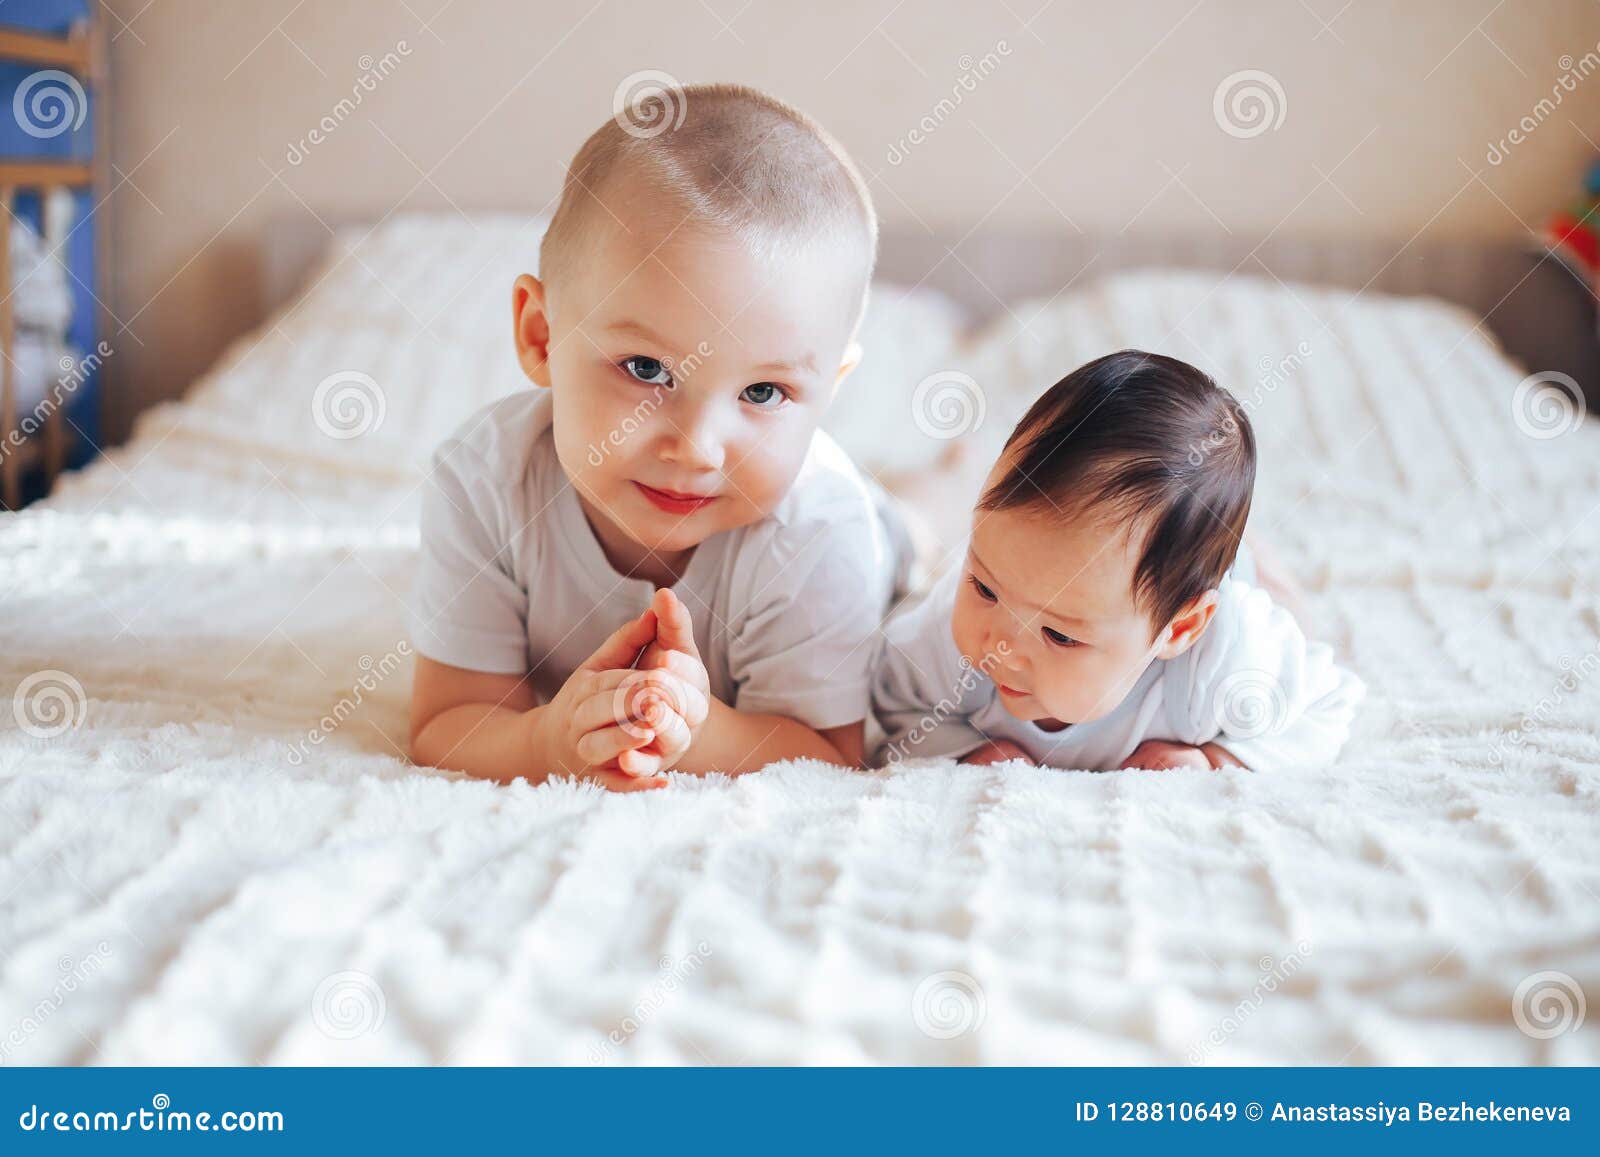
column 1098, row 620
column 655, row 559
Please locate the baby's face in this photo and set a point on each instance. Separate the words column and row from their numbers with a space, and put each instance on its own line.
column 1046, row 610
column 689, row 376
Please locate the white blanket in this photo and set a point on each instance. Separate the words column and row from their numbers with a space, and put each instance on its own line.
column 215, row 852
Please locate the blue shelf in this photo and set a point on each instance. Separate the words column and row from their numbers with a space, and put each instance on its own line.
column 56, row 18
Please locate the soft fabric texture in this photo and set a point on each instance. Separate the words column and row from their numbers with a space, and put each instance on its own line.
column 218, row 854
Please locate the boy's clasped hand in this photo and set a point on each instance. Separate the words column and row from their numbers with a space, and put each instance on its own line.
column 633, row 709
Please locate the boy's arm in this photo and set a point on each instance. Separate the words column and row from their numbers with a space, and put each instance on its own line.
column 490, row 726
column 495, row 732
column 733, row 742
column 475, row 722
column 800, row 649
column 726, row 739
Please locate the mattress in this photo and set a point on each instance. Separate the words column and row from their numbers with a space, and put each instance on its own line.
column 213, row 850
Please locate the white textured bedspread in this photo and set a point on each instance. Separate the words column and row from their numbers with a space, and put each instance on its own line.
column 212, row 850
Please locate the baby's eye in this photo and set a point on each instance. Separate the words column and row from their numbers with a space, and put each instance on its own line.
column 765, row 395
column 1059, row 639
column 984, row 592
column 650, row 371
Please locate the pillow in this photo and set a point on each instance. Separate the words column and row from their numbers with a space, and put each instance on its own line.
column 884, row 416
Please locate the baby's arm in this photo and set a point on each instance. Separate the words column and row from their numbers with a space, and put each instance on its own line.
column 1274, row 698
column 1162, row 755
column 1320, row 705
column 996, row 751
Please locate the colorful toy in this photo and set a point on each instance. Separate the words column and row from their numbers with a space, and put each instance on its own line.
column 1574, row 235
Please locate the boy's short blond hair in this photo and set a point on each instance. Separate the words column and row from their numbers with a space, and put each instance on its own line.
column 714, row 155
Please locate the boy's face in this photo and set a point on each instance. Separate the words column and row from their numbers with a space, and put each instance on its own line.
column 1046, row 609
column 688, row 378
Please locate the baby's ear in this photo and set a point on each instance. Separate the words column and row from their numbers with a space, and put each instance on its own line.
column 851, row 359
column 1187, row 626
column 531, row 328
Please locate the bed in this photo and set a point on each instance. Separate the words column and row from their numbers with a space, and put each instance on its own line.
column 215, row 852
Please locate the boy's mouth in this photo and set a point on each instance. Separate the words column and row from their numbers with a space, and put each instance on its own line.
column 1010, row 691
column 675, row 501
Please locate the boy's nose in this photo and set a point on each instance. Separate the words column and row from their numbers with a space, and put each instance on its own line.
column 694, row 443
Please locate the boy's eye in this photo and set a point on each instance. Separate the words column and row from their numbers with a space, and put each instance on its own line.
column 984, row 592
column 1059, row 639
column 763, row 394
column 650, row 371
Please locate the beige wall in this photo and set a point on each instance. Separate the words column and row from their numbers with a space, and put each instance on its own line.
column 1101, row 114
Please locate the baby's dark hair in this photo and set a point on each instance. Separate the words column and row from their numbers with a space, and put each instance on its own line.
column 1153, row 442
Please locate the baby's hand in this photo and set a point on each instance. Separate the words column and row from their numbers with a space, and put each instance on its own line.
column 1160, row 755
column 584, row 732
column 996, row 751
column 656, row 706
column 673, row 651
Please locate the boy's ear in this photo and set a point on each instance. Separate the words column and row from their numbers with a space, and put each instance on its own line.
column 531, row 325
column 1187, row 626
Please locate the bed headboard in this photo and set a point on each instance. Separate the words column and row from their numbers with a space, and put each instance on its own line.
column 1542, row 314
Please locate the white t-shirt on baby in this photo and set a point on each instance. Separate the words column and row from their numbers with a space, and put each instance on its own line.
column 1252, row 683
column 512, row 579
